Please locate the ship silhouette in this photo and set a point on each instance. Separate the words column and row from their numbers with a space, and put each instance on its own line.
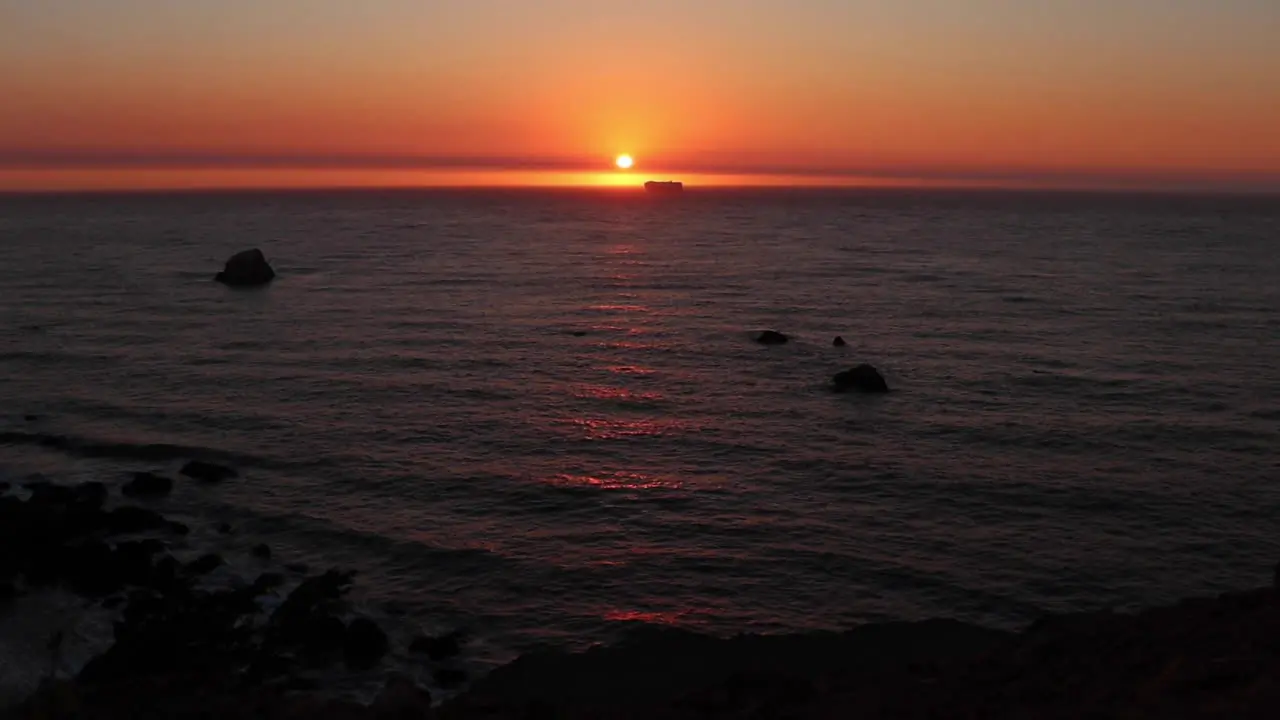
column 666, row 187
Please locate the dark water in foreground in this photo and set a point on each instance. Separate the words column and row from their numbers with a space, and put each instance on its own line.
column 541, row 415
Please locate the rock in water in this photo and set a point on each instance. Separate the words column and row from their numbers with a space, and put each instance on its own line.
column 365, row 644
column 204, row 565
column 207, row 472
column 126, row 520
column 863, row 378
column 438, row 648
column 772, row 337
column 145, row 484
column 262, row 551
column 838, row 342
column 401, row 698
column 246, row 269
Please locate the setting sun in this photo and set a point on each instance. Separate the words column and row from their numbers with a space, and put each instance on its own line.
column 624, row 162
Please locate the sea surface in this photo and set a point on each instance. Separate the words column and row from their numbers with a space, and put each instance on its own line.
column 541, row 415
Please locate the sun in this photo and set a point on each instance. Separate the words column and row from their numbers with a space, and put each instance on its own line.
column 624, row 162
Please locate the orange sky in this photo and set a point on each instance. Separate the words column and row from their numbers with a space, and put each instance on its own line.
column 146, row 92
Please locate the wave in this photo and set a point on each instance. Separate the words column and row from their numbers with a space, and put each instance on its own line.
column 149, row 452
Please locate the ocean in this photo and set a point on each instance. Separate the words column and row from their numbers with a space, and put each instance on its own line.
column 541, row 415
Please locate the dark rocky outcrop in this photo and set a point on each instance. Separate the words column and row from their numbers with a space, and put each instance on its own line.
column 401, row 699
column 145, row 484
column 246, row 269
column 262, row 551
column 134, row 520
column 438, row 648
column 449, row 678
column 862, row 378
column 772, row 337
column 838, row 342
column 364, row 645
column 204, row 564
column 207, row 472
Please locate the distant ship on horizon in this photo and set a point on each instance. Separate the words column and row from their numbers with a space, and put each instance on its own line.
column 664, row 186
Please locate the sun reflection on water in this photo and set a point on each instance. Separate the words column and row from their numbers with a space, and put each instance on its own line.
column 604, row 392
column 614, row 481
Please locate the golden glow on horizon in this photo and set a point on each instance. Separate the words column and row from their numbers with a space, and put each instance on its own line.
column 250, row 179
column 826, row 89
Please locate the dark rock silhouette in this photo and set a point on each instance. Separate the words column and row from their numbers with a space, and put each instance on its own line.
column 364, row 645
column 449, row 678
column 246, row 269
column 401, row 699
column 262, row 551
column 145, row 484
column 838, row 342
column 204, row 565
column 772, row 337
column 30, row 418
column 223, row 528
column 862, row 378
column 207, row 472
column 125, row 520
column 269, row 581
column 438, row 648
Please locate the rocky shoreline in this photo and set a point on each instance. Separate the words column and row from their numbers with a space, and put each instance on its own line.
column 183, row 649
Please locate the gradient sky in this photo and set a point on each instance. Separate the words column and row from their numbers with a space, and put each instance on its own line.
column 979, row 90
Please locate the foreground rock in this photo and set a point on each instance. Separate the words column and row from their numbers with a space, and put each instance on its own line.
column 246, row 269
column 207, row 472
column 838, row 342
column 862, row 378
column 1206, row 658
column 180, row 650
column 772, row 337
column 145, row 484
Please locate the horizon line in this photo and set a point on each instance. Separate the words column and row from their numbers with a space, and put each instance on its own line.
column 125, row 160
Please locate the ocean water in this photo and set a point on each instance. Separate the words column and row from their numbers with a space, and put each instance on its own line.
column 541, row 415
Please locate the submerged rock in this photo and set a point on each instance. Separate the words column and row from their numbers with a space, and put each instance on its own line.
column 246, row 269
column 772, row 337
column 207, row 471
column 437, row 648
column 145, row 484
column 838, row 342
column 862, row 378
column 364, row 645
